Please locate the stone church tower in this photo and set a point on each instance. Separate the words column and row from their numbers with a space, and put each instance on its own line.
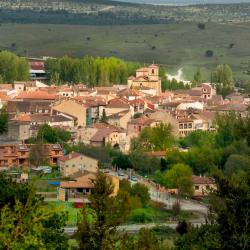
column 146, row 77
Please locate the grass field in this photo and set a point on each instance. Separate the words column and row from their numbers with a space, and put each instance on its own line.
column 176, row 45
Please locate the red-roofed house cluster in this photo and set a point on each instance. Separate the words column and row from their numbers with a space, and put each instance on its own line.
column 112, row 114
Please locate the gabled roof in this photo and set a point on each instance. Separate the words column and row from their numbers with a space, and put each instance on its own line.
column 128, row 92
column 153, row 66
column 101, row 134
column 22, row 118
column 6, row 86
column 74, row 155
column 202, row 180
column 38, row 95
column 69, row 156
column 143, row 69
column 118, row 115
column 142, row 121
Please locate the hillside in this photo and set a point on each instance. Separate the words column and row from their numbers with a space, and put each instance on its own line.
column 110, row 12
column 176, row 45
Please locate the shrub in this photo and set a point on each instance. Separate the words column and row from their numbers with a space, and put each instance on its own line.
column 209, row 53
column 141, row 215
column 176, row 208
column 201, row 26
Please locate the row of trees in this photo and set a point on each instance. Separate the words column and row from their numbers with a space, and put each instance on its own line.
column 222, row 77
column 101, row 71
column 13, row 68
column 90, row 70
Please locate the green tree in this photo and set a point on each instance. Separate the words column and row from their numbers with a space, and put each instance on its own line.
column 203, row 238
column 104, row 117
column 26, row 222
column 11, row 191
column 147, row 240
column 157, row 138
column 141, row 191
column 236, row 163
column 37, row 155
column 108, row 212
column 48, row 134
column 202, row 159
column 230, row 127
column 122, row 161
column 197, row 78
column 223, row 78
column 198, row 139
column 4, row 117
column 13, row 67
column 228, row 227
column 179, row 176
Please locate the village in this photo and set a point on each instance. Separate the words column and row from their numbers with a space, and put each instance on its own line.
column 104, row 116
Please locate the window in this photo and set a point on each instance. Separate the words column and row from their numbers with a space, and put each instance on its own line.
column 207, row 187
column 73, row 165
column 189, row 125
column 181, row 126
column 196, row 187
column 185, row 126
column 66, row 166
column 153, row 71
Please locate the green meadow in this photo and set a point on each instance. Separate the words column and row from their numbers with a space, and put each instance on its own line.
column 181, row 45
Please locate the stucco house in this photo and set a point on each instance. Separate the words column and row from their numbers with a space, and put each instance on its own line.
column 75, row 162
column 202, row 185
column 80, row 186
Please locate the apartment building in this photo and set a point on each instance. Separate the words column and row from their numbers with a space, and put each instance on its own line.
column 17, row 155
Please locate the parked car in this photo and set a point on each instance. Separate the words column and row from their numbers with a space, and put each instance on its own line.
column 133, row 178
column 120, row 174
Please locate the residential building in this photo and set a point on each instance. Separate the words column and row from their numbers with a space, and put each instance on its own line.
column 76, row 162
column 120, row 119
column 135, row 126
column 74, row 109
column 19, row 130
column 80, row 186
column 202, row 185
column 17, row 155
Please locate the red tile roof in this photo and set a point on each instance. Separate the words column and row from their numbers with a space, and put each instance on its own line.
column 22, row 118
column 69, row 156
column 39, row 95
column 142, row 121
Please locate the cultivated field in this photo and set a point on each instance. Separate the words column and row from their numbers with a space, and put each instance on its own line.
column 176, row 45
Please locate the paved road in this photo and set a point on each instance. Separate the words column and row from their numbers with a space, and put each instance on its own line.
column 133, row 228
column 167, row 199
column 188, row 205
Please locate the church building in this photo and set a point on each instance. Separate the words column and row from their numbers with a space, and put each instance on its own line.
column 146, row 77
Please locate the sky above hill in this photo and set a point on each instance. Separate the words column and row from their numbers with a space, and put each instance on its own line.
column 184, row 2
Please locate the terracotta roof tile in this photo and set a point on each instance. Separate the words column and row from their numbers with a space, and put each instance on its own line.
column 39, row 95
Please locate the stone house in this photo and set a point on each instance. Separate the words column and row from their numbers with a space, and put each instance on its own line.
column 75, row 162
column 74, row 109
column 202, row 185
